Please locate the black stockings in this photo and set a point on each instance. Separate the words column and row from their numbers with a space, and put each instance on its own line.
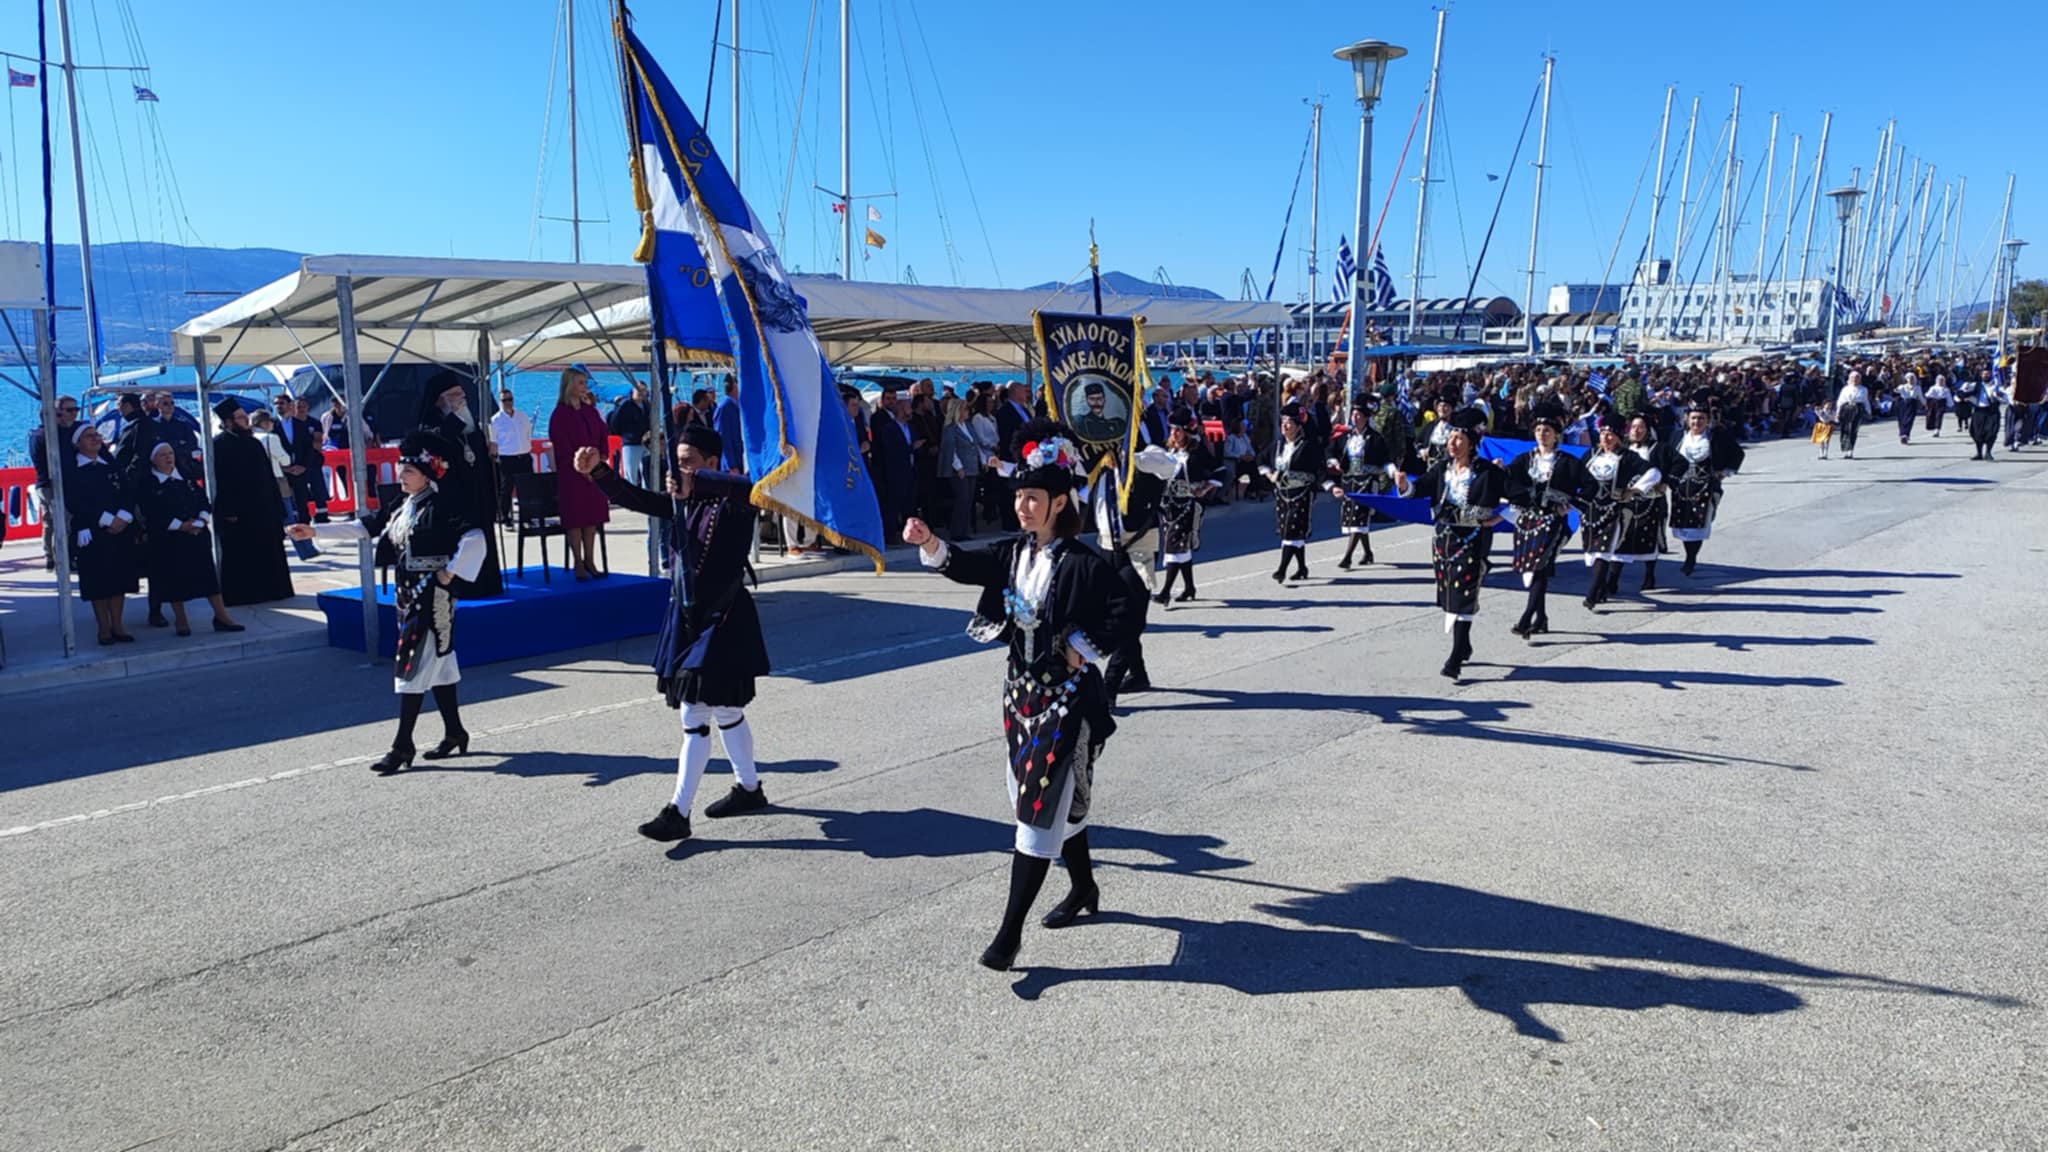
column 408, row 715
column 1027, row 876
column 451, row 716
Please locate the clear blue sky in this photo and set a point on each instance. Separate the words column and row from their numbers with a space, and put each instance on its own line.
column 416, row 127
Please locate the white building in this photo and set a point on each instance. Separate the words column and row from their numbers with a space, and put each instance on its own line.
column 1744, row 310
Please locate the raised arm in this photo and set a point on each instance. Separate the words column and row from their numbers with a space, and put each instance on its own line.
column 629, row 495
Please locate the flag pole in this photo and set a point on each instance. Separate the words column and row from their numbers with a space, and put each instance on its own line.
column 1095, row 266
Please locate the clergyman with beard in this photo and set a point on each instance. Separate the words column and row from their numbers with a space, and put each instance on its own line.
column 248, row 516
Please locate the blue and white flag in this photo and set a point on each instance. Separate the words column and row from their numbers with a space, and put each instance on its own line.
column 1597, row 381
column 1382, row 281
column 1840, row 301
column 716, row 286
column 1346, row 269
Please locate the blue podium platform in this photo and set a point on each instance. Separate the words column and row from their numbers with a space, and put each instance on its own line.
column 530, row 619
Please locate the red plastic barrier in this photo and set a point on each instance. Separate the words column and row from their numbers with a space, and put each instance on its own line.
column 1212, row 431
column 341, row 497
column 21, row 502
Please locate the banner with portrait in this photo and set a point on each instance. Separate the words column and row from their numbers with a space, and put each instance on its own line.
column 1094, row 381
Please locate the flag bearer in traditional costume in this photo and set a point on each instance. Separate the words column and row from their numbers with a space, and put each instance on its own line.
column 1644, row 540
column 1692, row 468
column 105, row 532
column 1620, row 484
column 1060, row 608
column 1363, row 465
column 1464, row 492
column 432, row 543
column 1987, row 408
column 1296, row 471
column 711, row 650
column 180, row 544
column 1542, row 485
column 1180, row 513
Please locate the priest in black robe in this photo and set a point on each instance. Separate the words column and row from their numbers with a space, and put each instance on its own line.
column 470, row 476
column 248, row 516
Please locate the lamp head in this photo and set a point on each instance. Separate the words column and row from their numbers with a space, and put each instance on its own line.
column 1845, row 201
column 1368, row 60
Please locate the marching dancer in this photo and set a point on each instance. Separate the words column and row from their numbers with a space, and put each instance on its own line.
column 710, row 651
column 1693, row 468
column 1906, row 405
column 1180, row 513
column 1465, row 493
column 1364, row 459
column 1059, row 607
column 1986, row 403
column 1937, row 403
column 1852, row 408
column 1295, row 470
column 1644, row 540
column 1541, row 484
column 435, row 544
column 1128, row 531
column 1619, row 480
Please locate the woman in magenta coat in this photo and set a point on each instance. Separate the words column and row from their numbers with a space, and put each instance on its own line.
column 575, row 424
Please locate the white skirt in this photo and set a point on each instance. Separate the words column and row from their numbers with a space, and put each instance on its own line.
column 1045, row 843
column 435, row 671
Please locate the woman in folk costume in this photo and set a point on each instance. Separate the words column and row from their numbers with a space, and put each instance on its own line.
column 431, row 542
column 710, row 651
column 1180, row 511
column 1906, row 405
column 1618, row 491
column 1542, row 485
column 1060, row 608
column 1464, row 492
column 1644, row 540
column 180, row 544
column 105, row 532
column 1295, row 468
column 1693, row 466
column 1937, row 399
column 1364, row 465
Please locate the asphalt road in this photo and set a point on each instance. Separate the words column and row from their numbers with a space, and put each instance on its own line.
column 1755, row 862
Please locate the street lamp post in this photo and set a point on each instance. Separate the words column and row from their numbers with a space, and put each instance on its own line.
column 1368, row 60
column 2012, row 259
column 1845, row 207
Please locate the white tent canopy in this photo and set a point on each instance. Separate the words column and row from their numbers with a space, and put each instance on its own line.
column 911, row 325
column 425, row 309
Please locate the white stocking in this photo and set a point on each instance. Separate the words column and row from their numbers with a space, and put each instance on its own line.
column 696, row 753
column 739, row 744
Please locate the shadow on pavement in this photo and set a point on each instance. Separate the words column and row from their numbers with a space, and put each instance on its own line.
column 1402, row 933
column 1670, row 681
column 599, row 768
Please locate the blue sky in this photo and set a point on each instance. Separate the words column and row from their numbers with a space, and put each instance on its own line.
column 1000, row 130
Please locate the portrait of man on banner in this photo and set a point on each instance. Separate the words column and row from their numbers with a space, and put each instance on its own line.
column 1100, row 416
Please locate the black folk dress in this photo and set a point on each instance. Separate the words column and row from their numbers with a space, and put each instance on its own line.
column 1364, row 457
column 1042, row 602
column 1541, row 490
column 1461, row 503
column 1297, row 471
column 1614, row 497
column 1693, row 466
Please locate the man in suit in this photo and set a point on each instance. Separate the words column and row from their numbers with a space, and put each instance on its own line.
column 1158, row 418
column 893, row 465
column 725, row 420
column 1014, row 413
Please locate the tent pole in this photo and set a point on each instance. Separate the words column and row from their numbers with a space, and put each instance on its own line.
column 206, row 433
column 358, row 455
column 53, row 450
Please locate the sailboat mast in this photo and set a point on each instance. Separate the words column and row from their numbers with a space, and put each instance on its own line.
column 1646, row 266
column 1763, row 229
column 1784, row 257
column 575, row 187
column 1422, row 198
column 1912, row 285
column 1724, row 254
column 1948, row 294
column 1315, row 202
column 2002, row 267
column 1536, row 213
column 845, row 136
column 1820, row 167
column 93, row 351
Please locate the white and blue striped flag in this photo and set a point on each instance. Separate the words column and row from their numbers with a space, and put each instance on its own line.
column 1346, row 269
column 1382, row 281
column 716, row 286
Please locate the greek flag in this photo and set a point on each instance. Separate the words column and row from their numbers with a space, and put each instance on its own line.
column 1382, row 281
column 1839, row 300
column 1346, row 269
column 716, row 286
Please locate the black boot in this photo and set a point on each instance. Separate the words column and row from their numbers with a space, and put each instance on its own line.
column 1649, row 575
column 400, row 756
column 1350, row 546
column 1367, row 559
column 1301, row 563
column 1084, row 895
column 1592, row 600
column 454, row 738
column 1280, row 573
column 1187, row 582
column 1461, row 649
column 1027, row 875
column 737, row 801
column 668, row 825
column 1165, row 586
column 1692, row 557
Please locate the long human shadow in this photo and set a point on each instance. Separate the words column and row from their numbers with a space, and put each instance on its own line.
column 1216, row 631
column 1301, row 605
column 1404, row 933
column 1673, row 681
column 1731, row 643
column 599, row 768
column 1484, row 720
column 1712, row 574
column 1797, row 593
column 1723, row 605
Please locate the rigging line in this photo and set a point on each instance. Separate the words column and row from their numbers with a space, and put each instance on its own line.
column 547, row 119
column 13, row 151
column 1457, row 196
column 113, row 217
column 1586, row 185
column 1506, row 181
column 1399, row 168
column 889, row 126
column 796, row 135
column 1286, row 223
column 924, row 137
column 1714, row 164
column 1622, row 233
column 960, row 154
column 711, row 73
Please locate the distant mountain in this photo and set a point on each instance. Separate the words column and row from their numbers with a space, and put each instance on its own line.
column 144, row 290
column 1125, row 284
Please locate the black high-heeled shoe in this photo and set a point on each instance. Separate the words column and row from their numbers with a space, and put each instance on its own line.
column 995, row 957
column 1160, row 599
column 1540, row 627
column 1521, row 629
column 396, row 760
column 1184, row 597
column 1069, row 910
column 1452, row 668
column 456, row 745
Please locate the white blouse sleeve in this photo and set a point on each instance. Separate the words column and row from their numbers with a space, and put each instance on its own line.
column 469, row 555
column 342, row 530
column 1648, row 480
column 935, row 560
